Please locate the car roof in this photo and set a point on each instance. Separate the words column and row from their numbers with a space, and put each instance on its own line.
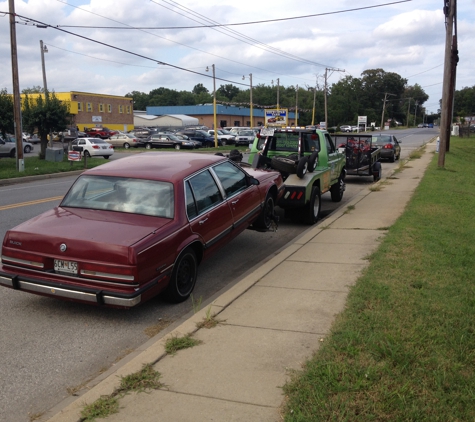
column 168, row 166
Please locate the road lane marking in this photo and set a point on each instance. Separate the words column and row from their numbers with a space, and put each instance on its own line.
column 28, row 203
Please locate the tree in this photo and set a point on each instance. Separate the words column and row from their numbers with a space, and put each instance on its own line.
column 36, row 89
column 141, row 99
column 200, row 89
column 45, row 115
column 6, row 113
column 228, row 91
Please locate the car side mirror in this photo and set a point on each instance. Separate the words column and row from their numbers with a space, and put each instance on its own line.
column 254, row 181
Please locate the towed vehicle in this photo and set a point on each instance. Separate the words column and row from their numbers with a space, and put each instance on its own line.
column 136, row 227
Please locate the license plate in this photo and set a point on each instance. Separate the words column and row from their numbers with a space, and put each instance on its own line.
column 61, row 266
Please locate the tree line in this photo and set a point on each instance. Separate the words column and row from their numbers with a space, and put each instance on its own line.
column 346, row 99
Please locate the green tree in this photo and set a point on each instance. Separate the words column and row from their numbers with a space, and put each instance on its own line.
column 141, row 99
column 35, row 89
column 6, row 113
column 200, row 89
column 45, row 115
column 228, row 91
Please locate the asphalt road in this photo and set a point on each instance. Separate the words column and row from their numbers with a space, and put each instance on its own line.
column 50, row 348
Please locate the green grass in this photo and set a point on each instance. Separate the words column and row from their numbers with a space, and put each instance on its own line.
column 404, row 348
column 173, row 344
column 145, row 379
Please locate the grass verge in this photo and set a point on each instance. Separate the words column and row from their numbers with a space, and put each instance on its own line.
column 404, row 348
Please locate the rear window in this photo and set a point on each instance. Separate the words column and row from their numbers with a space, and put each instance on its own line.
column 378, row 140
column 288, row 142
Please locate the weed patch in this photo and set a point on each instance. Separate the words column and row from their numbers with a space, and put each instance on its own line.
column 101, row 408
column 173, row 344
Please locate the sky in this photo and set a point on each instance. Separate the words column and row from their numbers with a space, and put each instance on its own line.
column 166, row 43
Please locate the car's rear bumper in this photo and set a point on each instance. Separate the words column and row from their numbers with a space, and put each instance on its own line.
column 92, row 295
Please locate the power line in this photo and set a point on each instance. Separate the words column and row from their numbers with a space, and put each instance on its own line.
column 239, row 23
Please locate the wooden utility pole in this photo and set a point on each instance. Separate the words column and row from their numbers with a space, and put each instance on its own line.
column 20, row 162
column 446, row 111
column 384, row 108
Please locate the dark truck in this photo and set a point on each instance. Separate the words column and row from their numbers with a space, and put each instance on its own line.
column 362, row 157
column 309, row 163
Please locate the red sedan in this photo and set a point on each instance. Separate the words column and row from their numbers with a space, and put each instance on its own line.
column 135, row 227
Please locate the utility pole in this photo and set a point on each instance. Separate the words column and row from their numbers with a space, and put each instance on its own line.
column 408, row 108
column 384, row 108
column 326, row 89
column 20, row 162
column 314, row 100
column 415, row 114
column 446, row 109
column 296, row 104
column 278, row 82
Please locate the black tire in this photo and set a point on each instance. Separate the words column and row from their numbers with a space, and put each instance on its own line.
column 264, row 221
column 223, row 142
column 148, row 145
column 86, row 154
column 283, row 164
column 27, row 149
column 13, row 153
column 312, row 162
column 183, row 279
column 377, row 171
column 177, row 147
column 106, row 157
column 97, row 136
column 393, row 158
column 126, row 145
column 337, row 189
column 311, row 211
column 302, row 167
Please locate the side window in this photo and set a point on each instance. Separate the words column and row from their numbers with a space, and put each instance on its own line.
column 330, row 144
column 205, row 190
column 82, row 142
column 190, row 202
column 232, row 178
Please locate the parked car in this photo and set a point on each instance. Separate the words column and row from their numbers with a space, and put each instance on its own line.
column 199, row 135
column 125, row 140
column 345, row 128
column 420, row 125
column 9, row 146
column 168, row 141
column 93, row 147
column 225, row 138
column 135, row 227
column 244, row 137
column 390, row 146
column 99, row 132
column 141, row 132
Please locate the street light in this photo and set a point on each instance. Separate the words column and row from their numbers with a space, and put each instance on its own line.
column 250, row 100
column 296, row 104
column 214, row 107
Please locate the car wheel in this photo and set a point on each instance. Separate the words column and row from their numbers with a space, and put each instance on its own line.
column 87, row 154
column 97, row 136
column 267, row 216
column 337, row 190
column 183, row 279
column 393, row 158
column 126, row 145
column 106, row 157
column 377, row 171
column 223, row 142
column 313, row 162
column 27, row 149
column 13, row 153
column 177, row 147
column 148, row 146
column 311, row 211
column 283, row 164
column 302, row 167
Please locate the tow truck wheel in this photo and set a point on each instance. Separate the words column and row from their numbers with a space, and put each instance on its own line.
column 312, row 162
column 311, row 211
column 302, row 167
column 283, row 164
column 337, row 189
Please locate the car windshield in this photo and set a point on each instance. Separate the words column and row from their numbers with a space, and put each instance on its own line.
column 246, row 133
column 127, row 195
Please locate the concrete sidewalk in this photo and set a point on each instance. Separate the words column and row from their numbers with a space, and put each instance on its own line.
column 272, row 321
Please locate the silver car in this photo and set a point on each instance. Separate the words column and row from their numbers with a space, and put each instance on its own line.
column 8, row 146
column 244, row 137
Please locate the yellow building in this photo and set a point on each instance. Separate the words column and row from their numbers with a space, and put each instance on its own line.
column 97, row 110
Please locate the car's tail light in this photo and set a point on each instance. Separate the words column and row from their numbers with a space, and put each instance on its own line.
column 95, row 147
column 388, row 146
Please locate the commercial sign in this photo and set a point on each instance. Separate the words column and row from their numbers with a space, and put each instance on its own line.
column 276, row 117
column 96, row 119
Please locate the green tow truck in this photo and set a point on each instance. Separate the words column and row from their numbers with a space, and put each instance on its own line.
column 310, row 164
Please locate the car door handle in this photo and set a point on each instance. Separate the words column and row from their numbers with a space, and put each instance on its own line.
column 203, row 221
column 235, row 202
